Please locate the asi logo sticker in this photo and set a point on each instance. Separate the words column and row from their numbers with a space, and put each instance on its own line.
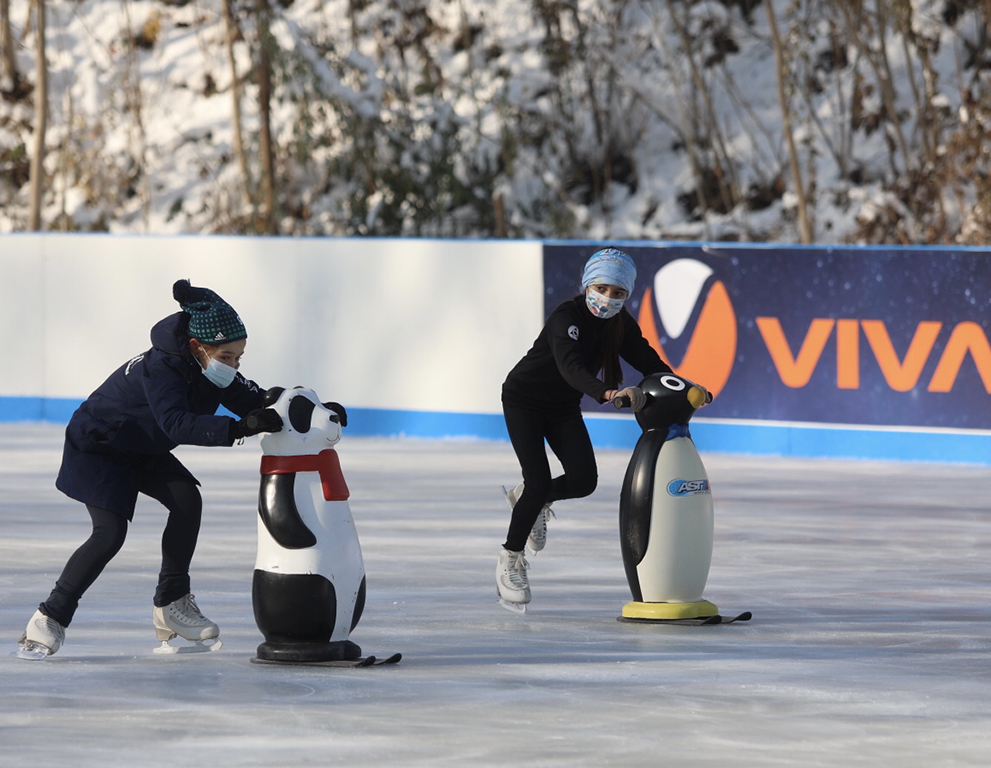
column 688, row 487
column 668, row 306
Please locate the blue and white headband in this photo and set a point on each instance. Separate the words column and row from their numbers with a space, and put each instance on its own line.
column 610, row 266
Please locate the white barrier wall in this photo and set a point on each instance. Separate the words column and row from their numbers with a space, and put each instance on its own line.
column 374, row 323
column 415, row 337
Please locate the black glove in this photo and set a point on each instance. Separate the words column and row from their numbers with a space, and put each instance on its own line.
column 337, row 408
column 259, row 420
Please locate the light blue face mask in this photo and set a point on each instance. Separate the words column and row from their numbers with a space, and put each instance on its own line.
column 220, row 374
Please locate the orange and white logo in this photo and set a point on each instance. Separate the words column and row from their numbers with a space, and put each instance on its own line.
column 670, row 303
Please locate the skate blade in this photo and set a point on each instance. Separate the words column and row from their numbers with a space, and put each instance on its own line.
column 518, row 608
column 30, row 652
column 197, row 646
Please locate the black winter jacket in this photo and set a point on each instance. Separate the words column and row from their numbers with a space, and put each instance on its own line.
column 561, row 366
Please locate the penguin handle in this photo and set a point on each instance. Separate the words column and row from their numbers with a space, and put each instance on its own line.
column 623, row 401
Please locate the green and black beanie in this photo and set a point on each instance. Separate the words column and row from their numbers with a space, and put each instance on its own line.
column 211, row 319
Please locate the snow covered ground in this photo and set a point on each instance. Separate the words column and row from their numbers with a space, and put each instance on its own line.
column 372, row 99
column 869, row 644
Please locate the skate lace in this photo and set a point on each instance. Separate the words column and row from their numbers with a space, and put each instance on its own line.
column 545, row 514
column 188, row 612
column 516, row 571
column 53, row 628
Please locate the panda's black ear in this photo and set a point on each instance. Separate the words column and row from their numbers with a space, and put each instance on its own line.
column 273, row 394
column 300, row 413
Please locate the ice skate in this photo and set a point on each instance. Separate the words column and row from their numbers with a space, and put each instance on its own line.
column 537, row 539
column 42, row 637
column 512, row 584
column 182, row 618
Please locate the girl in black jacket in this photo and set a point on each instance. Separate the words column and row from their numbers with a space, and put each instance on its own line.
column 541, row 400
column 119, row 443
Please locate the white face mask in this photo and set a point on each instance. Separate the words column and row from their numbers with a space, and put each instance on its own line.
column 601, row 306
column 219, row 373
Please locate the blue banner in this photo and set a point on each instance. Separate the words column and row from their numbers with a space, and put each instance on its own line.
column 857, row 336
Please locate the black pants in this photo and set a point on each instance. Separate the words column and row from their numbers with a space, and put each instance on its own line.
column 185, row 506
column 568, row 438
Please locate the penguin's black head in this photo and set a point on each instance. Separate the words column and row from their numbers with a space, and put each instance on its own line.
column 671, row 400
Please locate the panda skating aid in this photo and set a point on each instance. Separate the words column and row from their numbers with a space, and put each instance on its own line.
column 665, row 515
column 308, row 589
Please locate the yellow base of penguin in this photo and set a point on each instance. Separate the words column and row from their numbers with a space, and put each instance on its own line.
column 669, row 611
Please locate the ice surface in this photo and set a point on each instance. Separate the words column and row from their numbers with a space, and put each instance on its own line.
column 869, row 644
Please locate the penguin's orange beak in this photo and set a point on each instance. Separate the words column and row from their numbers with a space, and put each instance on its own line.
column 696, row 396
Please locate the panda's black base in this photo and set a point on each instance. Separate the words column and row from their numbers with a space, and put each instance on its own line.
column 364, row 661
column 308, row 653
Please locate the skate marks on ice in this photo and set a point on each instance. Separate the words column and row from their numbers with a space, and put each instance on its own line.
column 35, row 652
column 868, row 646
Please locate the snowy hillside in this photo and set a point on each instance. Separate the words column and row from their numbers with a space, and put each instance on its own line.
column 522, row 118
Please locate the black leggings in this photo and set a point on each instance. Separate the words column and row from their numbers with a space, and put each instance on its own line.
column 568, row 438
column 185, row 506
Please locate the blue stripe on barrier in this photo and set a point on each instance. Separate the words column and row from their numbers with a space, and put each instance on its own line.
column 715, row 436
column 813, row 440
column 57, row 409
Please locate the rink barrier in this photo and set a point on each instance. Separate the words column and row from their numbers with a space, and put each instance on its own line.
column 762, row 438
column 866, row 352
column 710, row 435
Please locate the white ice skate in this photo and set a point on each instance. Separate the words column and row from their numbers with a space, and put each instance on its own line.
column 182, row 618
column 42, row 637
column 512, row 584
column 537, row 539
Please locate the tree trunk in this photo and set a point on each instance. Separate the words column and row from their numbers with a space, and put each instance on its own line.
column 878, row 62
column 40, row 120
column 265, row 43
column 242, row 158
column 805, row 227
column 722, row 165
column 683, row 126
column 9, row 61
column 886, row 81
column 134, row 98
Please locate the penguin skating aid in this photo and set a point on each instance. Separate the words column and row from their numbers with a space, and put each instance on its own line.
column 665, row 511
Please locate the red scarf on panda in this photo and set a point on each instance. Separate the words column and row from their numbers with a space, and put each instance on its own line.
column 326, row 463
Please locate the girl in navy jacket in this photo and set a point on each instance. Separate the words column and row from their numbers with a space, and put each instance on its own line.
column 119, row 443
column 541, row 400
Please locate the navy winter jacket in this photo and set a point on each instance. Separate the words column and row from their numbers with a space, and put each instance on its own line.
column 148, row 406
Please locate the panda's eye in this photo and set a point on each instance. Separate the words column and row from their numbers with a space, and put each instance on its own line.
column 335, row 418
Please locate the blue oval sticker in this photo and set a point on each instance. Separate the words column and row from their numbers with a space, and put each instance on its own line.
column 688, row 487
